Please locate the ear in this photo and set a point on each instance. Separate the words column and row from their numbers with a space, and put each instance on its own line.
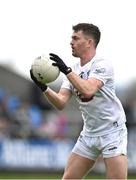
column 90, row 42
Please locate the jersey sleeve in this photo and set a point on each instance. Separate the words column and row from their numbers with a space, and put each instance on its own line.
column 66, row 84
column 102, row 70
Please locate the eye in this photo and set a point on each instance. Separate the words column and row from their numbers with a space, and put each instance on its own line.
column 75, row 38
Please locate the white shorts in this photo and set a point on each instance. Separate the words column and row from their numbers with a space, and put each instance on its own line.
column 109, row 145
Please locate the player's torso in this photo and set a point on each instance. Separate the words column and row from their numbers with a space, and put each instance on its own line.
column 103, row 112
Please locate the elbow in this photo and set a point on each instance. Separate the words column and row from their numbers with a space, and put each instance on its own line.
column 87, row 93
column 89, row 89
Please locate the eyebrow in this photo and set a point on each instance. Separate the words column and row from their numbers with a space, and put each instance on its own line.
column 74, row 36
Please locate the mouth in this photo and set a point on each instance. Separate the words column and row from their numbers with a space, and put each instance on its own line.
column 73, row 52
column 72, row 49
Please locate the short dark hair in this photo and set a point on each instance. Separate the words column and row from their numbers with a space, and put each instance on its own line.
column 89, row 30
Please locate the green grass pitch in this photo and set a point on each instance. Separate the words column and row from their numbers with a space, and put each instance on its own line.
column 42, row 175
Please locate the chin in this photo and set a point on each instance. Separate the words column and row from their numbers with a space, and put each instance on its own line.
column 75, row 55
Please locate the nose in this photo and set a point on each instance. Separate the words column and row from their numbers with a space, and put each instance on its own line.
column 71, row 43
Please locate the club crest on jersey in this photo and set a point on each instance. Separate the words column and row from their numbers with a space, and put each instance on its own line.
column 85, row 75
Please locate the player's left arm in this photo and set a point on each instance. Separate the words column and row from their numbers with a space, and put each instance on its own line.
column 86, row 87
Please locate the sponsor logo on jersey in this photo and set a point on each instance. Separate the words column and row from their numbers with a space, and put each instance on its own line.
column 113, row 148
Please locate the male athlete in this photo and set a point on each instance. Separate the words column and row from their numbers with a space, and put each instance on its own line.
column 92, row 82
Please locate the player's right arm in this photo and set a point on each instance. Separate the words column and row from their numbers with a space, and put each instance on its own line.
column 58, row 100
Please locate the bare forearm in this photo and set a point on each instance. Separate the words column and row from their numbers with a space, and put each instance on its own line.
column 57, row 100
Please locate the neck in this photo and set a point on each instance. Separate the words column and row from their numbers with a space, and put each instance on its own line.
column 86, row 58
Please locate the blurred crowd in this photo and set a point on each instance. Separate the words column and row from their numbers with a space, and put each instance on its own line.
column 128, row 97
column 22, row 119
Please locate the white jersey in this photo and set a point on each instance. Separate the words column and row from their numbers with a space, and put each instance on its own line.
column 104, row 112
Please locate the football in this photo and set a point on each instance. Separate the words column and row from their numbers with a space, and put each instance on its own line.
column 44, row 71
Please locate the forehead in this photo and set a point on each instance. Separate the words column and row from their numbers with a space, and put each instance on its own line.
column 77, row 34
column 80, row 35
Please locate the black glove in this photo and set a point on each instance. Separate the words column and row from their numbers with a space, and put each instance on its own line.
column 43, row 87
column 60, row 64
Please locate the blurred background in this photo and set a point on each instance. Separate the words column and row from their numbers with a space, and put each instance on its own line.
column 34, row 136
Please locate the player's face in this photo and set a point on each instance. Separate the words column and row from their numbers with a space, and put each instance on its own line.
column 79, row 44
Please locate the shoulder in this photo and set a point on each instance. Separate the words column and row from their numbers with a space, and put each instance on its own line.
column 102, row 69
column 100, row 62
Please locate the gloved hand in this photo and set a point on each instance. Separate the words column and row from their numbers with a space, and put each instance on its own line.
column 43, row 87
column 60, row 64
